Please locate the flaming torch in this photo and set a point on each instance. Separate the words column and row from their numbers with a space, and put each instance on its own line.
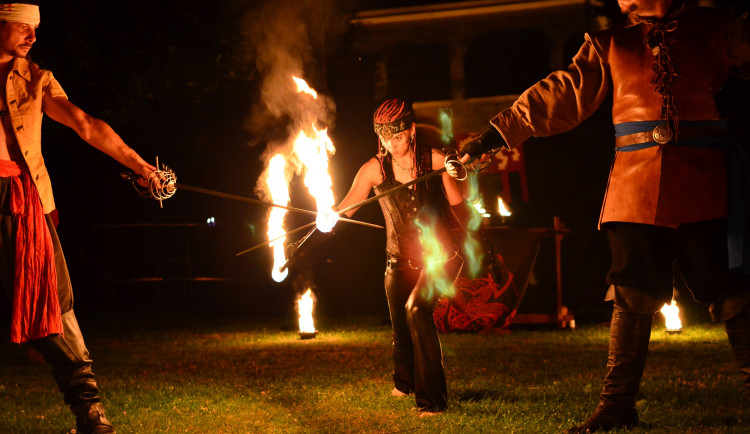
column 312, row 148
column 307, row 154
column 312, row 151
column 672, row 317
column 277, row 186
column 305, row 308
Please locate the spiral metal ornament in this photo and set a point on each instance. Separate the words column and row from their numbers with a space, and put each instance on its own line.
column 162, row 184
column 452, row 159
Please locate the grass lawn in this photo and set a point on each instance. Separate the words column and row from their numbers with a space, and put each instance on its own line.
column 215, row 376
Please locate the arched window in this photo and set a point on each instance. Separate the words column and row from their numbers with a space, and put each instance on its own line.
column 506, row 62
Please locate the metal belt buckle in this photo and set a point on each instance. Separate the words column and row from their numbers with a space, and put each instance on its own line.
column 662, row 134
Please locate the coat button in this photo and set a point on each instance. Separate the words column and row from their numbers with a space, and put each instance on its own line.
column 37, row 177
column 26, row 153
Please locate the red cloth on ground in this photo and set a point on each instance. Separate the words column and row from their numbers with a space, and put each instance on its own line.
column 478, row 304
column 36, row 308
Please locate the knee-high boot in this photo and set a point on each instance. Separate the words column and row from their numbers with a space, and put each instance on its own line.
column 71, row 367
column 628, row 348
column 738, row 332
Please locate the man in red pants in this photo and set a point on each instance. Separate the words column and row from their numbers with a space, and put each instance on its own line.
column 33, row 273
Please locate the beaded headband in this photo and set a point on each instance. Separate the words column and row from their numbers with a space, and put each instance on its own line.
column 386, row 131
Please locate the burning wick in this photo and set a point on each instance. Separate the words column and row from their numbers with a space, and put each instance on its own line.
column 305, row 308
column 501, row 209
column 672, row 319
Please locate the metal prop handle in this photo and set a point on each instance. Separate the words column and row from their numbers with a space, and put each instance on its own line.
column 162, row 183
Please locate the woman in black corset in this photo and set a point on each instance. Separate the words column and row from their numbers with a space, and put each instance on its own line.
column 411, row 285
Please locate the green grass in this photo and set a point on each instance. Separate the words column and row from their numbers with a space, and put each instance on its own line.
column 246, row 376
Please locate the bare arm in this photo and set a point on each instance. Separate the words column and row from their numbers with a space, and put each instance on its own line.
column 367, row 178
column 96, row 133
column 452, row 189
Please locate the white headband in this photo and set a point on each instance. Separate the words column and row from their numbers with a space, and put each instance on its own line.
column 20, row 13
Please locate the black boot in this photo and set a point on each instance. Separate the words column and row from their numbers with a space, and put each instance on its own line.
column 738, row 332
column 69, row 358
column 90, row 419
column 628, row 348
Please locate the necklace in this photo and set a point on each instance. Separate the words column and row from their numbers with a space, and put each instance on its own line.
column 405, row 169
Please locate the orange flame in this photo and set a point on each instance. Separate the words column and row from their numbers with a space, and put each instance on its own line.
column 305, row 307
column 277, row 186
column 312, row 151
column 308, row 152
column 303, row 87
column 671, row 316
column 501, row 208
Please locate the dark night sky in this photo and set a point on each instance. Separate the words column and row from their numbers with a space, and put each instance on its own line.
column 182, row 80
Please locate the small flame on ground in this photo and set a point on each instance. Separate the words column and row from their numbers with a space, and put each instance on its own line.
column 501, row 209
column 305, row 307
column 277, row 186
column 671, row 316
column 302, row 87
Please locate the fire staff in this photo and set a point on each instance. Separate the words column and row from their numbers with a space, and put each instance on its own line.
column 33, row 272
column 667, row 200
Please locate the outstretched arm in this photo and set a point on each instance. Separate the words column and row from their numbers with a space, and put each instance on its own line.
column 96, row 133
column 367, row 178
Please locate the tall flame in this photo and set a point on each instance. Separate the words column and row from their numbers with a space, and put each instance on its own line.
column 277, row 186
column 312, row 150
column 305, row 307
column 671, row 316
column 307, row 152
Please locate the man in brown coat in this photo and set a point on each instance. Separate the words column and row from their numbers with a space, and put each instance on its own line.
column 678, row 190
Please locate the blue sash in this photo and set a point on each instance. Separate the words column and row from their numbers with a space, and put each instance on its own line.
column 738, row 182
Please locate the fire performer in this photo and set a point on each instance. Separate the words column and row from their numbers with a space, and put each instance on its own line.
column 33, row 272
column 409, row 286
column 675, row 187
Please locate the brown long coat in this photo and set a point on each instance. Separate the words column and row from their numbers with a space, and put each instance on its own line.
column 663, row 185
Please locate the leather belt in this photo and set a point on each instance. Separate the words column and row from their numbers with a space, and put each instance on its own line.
column 395, row 263
column 662, row 135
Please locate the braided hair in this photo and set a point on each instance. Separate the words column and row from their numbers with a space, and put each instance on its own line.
column 392, row 117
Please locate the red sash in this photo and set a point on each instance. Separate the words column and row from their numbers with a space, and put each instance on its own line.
column 36, row 308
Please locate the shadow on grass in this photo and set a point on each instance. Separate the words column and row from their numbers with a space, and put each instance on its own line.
column 477, row 395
